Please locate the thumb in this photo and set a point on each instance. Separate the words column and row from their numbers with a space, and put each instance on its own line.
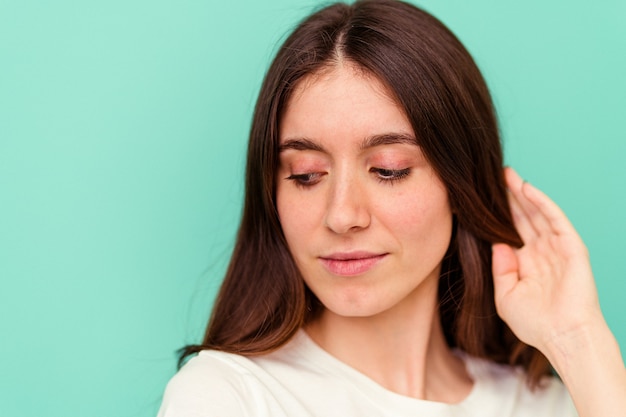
column 505, row 270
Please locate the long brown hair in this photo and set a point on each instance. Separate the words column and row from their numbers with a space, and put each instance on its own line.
column 263, row 300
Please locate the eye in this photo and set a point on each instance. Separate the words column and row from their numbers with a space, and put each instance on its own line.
column 390, row 175
column 305, row 180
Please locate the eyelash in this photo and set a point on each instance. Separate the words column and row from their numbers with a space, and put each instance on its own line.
column 391, row 175
column 384, row 175
column 305, row 180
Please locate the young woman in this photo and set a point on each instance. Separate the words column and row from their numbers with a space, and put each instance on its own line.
column 386, row 264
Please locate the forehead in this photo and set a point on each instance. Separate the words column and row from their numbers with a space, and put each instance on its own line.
column 342, row 100
column 339, row 72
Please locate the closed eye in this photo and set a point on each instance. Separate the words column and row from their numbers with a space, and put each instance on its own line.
column 390, row 175
column 305, row 180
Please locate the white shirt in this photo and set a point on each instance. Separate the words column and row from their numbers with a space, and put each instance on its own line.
column 301, row 379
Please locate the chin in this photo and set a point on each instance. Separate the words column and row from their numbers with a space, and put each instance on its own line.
column 356, row 306
column 360, row 300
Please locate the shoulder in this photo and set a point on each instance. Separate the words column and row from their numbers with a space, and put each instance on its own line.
column 217, row 383
column 211, row 383
column 505, row 388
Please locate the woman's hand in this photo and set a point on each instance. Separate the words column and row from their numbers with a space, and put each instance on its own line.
column 545, row 292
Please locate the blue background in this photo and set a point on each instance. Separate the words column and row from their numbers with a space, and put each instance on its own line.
column 123, row 127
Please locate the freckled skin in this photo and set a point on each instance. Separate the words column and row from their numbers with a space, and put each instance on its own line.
column 345, row 198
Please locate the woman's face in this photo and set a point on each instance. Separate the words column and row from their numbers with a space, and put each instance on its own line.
column 365, row 216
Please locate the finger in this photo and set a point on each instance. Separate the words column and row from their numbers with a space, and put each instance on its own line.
column 505, row 271
column 520, row 218
column 535, row 216
column 513, row 180
column 556, row 219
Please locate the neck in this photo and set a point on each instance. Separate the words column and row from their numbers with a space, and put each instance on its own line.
column 402, row 349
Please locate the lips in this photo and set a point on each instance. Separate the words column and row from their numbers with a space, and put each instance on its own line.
column 351, row 263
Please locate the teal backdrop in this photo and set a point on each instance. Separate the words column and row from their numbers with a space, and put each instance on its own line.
column 123, row 126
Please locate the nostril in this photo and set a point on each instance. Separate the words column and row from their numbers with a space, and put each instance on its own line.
column 346, row 212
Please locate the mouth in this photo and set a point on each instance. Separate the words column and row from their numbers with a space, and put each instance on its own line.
column 351, row 263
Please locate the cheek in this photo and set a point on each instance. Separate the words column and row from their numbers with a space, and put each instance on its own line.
column 297, row 215
column 421, row 217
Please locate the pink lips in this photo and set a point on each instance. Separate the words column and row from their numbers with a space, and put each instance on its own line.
column 351, row 263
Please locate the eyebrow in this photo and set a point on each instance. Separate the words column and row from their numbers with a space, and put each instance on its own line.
column 388, row 139
column 304, row 144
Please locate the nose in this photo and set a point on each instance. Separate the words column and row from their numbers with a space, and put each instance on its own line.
column 347, row 206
